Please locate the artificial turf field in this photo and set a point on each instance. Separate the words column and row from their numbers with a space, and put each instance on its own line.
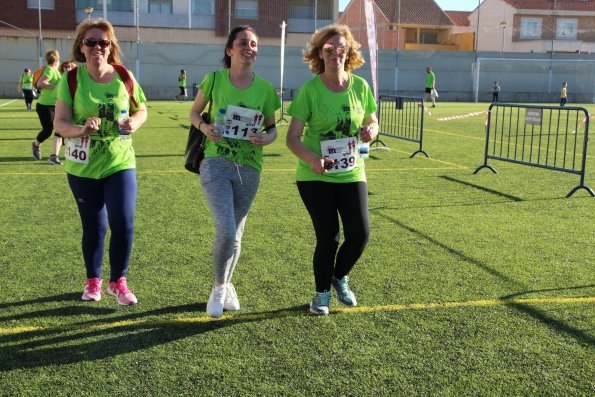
column 471, row 285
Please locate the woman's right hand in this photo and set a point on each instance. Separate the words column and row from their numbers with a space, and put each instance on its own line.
column 211, row 132
column 91, row 125
column 319, row 165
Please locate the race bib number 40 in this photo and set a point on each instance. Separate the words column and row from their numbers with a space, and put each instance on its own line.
column 77, row 149
column 342, row 151
column 241, row 122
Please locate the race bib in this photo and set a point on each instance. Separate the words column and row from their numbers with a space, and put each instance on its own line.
column 342, row 151
column 77, row 149
column 240, row 122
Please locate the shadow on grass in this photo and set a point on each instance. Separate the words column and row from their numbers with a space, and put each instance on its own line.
column 71, row 296
column 554, row 324
column 104, row 338
column 483, row 189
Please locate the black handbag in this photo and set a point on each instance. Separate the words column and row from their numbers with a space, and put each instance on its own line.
column 195, row 147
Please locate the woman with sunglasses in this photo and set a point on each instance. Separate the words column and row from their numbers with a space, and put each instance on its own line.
column 330, row 114
column 230, row 172
column 100, row 161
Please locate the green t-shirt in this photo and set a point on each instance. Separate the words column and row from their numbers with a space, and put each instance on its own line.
column 109, row 151
column 430, row 78
column 331, row 115
column 48, row 95
column 26, row 81
column 182, row 81
column 260, row 96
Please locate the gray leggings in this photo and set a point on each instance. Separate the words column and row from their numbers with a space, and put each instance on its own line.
column 229, row 190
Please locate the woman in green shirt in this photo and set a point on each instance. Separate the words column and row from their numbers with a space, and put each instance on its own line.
column 182, row 84
column 100, row 161
column 230, row 172
column 26, row 87
column 334, row 111
column 46, row 103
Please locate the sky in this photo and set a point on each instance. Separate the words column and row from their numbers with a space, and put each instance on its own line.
column 450, row 5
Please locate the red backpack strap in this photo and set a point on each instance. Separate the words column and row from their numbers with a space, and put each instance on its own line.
column 127, row 80
column 72, row 81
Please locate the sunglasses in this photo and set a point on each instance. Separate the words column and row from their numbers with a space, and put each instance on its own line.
column 92, row 42
column 339, row 49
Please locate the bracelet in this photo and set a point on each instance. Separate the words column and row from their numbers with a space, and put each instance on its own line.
column 199, row 124
column 269, row 127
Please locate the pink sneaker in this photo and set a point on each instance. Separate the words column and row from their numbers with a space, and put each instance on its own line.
column 120, row 290
column 92, row 291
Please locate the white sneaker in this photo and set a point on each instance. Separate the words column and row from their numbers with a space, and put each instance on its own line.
column 215, row 303
column 231, row 298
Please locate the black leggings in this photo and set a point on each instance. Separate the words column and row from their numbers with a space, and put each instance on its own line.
column 326, row 202
column 28, row 96
column 46, row 117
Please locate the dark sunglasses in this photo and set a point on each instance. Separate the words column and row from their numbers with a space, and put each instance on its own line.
column 339, row 49
column 92, row 42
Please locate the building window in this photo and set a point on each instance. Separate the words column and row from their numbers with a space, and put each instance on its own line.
column 301, row 9
column 44, row 4
column 428, row 38
column 160, row 7
column 566, row 29
column 530, row 28
column 203, row 7
column 247, row 9
column 117, row 5
column 82, row 4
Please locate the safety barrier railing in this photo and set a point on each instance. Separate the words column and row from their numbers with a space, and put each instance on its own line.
column 551, row 137
column 286, row 98
column 401, row 117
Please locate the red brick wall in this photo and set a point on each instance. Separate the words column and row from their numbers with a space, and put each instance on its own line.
column 268, row 23
column 63, row 17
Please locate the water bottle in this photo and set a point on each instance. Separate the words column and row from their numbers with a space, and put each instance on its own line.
column 219, row 123
column 121, row 119
column 363, row 147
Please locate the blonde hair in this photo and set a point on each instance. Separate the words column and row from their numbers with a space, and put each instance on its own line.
column 312, row 57
column 52, row 56
column 64, row 65
column 107, row 28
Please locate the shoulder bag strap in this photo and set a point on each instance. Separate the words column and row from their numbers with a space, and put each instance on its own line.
column 211, row 95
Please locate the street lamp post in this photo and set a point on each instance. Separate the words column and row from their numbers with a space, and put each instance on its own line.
column 40, row 36
column 88, row 11
column 503, row 25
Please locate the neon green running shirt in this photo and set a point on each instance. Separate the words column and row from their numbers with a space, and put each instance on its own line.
column 331, row 115
column 26, row 81
column 260, row 96
column 48, row 95
column 430, row 78
column 109, row 151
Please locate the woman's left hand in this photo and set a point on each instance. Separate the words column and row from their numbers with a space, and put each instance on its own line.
column 368, row 132
column 262, row 139
column 130, row 125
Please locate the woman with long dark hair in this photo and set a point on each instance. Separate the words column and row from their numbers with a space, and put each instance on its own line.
column 230, row 172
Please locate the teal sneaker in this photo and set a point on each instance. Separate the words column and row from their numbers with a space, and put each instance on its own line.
column 321, row 303
column 344, row 293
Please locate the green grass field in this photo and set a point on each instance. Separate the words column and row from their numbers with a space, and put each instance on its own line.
column 471, row 285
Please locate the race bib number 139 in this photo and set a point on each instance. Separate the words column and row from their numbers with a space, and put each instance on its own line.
column 77, row 149
column 343, row 151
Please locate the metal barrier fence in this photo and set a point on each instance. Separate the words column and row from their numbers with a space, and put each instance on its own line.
column 401, row 117
column 286, row 98
column 550, row 137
